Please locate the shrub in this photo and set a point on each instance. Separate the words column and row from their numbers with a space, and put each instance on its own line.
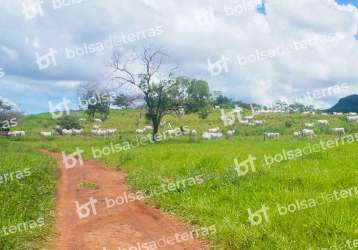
column 68, row 122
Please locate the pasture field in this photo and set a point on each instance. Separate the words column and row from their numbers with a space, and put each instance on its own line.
column 222, row 197
column 27, row 192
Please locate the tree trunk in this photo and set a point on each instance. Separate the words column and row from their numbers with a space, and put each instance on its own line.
column 156, row 123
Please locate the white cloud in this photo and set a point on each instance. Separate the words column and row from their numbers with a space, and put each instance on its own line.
column 190, row 43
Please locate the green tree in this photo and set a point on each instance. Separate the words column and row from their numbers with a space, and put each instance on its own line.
column 198, row 96
column 69, row 122
column 94, row 99
column 222, row 100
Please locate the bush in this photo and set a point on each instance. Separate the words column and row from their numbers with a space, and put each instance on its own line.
column 68, row 122
column 203, row 114
column 288, row 124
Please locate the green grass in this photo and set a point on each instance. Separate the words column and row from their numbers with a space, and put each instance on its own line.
column 27, row 190
column 224, row 197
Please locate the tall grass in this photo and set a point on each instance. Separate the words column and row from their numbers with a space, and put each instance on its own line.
column 27, row 190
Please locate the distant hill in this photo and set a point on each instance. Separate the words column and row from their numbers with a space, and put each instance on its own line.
column 346, row 104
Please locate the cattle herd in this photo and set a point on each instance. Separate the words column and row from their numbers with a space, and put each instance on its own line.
column 213, row 133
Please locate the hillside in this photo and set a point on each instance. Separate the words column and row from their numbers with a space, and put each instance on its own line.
column 346, row 104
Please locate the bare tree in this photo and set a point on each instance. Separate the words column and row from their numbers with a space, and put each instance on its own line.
column 161, row 92
column 94, row 98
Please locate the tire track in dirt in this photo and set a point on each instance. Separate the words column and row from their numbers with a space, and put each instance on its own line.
column 119, row 227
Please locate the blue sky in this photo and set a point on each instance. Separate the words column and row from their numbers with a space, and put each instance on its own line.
column 353, row 2
column 312, row 42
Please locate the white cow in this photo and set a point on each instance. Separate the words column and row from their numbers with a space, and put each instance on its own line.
column 352, row 114
column 337, row 113
column 174, row 132
column 46, row 134
column 352, row 118
column 213, row 135
column 297, row 134
column 214, row 130
column 194, row 132
column 16, row 133
column 82, row 120
column 206, row 135
column 309, row 125
column 96, row 127
column 102, row 132
column 112, row 131
column 308, row 133
column 230, row 132
column 97, row 120
column 148, row 128
column 246, row 122
column 338, row 131
column 140, row 131
column 323, row 122
column 77, row 131
column 270, row 135
column 259, row 122
column 67, row 131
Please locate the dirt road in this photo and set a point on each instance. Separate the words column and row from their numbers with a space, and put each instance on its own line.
column 86, row 191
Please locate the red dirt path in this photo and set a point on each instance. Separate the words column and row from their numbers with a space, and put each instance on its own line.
column 119, row 227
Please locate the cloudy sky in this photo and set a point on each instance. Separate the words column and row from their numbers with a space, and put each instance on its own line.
column 250, row 50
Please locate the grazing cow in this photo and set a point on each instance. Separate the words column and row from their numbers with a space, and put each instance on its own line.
column 184, row 130
column 352, row 114
column 216, row 135
column 77, row 131
column 308, row 133
column 258, row 122
column 97, row 120
column 337, row 113
column 140, row 131
column 338, row 131
column 112, row 131
column 194, row 132
column 214, row 130
column 246, row 122
column 67, row 131
column 305, row 113
column 82, row 120
column 297, row 134
column 212, row 135
column 148, row 128
column 352, row 118
column 96, row 126
column 271, row 136
column 103, row 133
column 16, row 133
column 217, row 107
column 46, row 134
column 99, row 132
column 174, row 132
column 323, row 122
column 230, row 132
column 206, row 135
column 325, row 114
column 309, row 125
